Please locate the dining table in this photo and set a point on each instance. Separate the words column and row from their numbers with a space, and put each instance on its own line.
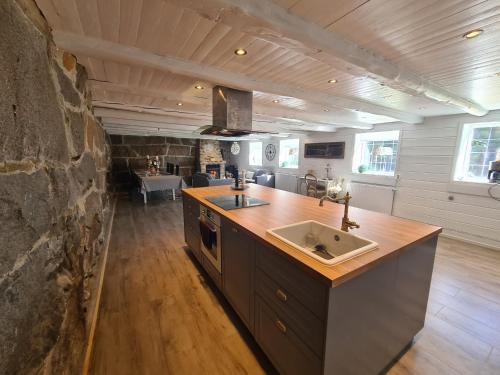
column 158, row 182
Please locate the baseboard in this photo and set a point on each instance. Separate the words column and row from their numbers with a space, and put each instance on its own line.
column 472, row 242
column 95, row 313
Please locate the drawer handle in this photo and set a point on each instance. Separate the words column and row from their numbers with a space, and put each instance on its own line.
column 234, row 230
column 280, row 325
column 281, row 295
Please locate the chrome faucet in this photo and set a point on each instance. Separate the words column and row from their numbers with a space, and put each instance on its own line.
column 346, row 223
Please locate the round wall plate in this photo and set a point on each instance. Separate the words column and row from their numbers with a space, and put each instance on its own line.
column 235, row 148
column 270, row 151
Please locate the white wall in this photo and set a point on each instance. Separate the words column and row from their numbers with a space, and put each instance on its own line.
column 425, row 167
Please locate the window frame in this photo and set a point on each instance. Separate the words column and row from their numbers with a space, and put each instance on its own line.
column 298, row 153
column 250, row 151
column 356, row 156
column 460, row 154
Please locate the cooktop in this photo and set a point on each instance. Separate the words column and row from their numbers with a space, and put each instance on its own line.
column 232, row 202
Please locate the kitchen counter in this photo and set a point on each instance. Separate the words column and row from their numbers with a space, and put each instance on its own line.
column 392, row 234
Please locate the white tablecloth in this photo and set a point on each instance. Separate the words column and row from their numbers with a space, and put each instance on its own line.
column 162, row 182
column 159, row 183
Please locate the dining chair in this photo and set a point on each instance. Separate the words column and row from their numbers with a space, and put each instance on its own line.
column 313, row 189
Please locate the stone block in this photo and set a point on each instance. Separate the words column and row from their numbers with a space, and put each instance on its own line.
column 90, row 133
column 155, row 140
column 82, row 174
column 189, row 141
column 25, row 214
column 68, row 90
column 134, row 140
column 59, row 192
column 177, row 150
column 123, row 151
column 119, row 164
column 32, row 123
column 116, row 139
column 137, row 163
column 81, row 79
column 174, row 141
column 77, row 128
column 151, row 150
column 32, row 310
column 69, row 61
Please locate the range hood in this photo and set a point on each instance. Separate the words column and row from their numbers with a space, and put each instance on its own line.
column 232, row 112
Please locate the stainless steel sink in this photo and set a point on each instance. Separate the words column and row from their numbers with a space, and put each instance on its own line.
column 324, row 243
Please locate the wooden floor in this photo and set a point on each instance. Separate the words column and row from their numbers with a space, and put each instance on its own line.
column 159, row 315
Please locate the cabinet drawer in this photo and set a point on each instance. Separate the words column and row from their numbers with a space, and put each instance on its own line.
column 281, row 343
column 311, row 293
column 307, row 326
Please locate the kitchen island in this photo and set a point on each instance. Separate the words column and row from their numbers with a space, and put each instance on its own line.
column 355, row 317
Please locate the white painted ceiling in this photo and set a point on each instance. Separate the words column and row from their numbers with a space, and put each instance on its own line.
column 394, row 60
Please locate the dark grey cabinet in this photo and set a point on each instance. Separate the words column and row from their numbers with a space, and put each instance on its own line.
column 191, row 211
column 238, row 265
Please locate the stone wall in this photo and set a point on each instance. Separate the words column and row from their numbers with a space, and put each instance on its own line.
column 131, row 150
column 54, row 204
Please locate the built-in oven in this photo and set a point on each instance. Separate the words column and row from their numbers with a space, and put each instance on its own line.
column 211, row 237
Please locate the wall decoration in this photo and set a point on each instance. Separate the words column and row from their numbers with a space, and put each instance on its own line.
column 327, row 150
column 270, row 151
column 235, row 148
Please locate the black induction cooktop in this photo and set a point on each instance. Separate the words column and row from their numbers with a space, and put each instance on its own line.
column 232, row 202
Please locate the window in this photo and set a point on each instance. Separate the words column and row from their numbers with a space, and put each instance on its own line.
column 376, row 153
column 289, row 153
column 480, row 144
column 255, row 153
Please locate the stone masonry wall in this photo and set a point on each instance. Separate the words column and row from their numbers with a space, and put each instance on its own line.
column 54, row 204
column 131, row 150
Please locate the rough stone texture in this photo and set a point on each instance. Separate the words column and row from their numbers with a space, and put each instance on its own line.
column 30, row 116
column 77, row 127
column 131, row 150
column 68, row 89
column 54, row 204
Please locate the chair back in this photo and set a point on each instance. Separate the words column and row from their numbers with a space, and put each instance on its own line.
column 311, row 185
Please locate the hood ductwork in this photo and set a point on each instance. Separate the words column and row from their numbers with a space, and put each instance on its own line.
column 232, row 112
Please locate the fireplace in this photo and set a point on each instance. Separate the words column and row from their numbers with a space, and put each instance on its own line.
column 213, row 169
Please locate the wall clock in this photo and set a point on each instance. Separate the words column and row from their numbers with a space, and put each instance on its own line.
column 235, row 148
column 270, row 151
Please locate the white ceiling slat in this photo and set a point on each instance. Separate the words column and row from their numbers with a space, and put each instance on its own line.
column 115, row 52
column 323, row 45
column 129, row 21
column 109, row 17
column 195, row 105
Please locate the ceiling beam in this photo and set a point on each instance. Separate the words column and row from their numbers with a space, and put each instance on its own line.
column 97, row 48
column 281, row 113
column 264, row 19
column 141, row 119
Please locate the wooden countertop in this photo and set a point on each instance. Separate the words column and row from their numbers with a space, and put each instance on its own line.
column 392, row 234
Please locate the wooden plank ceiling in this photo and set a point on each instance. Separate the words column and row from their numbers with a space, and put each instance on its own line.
column 144, row 57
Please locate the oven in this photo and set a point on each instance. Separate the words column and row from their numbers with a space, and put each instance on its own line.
column 211, row 237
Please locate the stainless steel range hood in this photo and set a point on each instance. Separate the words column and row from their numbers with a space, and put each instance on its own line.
column 232, row 112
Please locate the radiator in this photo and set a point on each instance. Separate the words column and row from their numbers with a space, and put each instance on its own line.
column 286, row 182
column 372, row 197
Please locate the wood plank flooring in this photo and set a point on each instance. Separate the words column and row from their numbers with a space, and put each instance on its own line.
column 159, row 314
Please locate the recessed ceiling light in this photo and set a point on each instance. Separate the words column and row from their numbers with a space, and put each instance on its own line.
column 326, row 110
column 473, row 33
column 179, row 104
column 199, row 87
column 332, row 81
column 240, row 52
column 276, row 101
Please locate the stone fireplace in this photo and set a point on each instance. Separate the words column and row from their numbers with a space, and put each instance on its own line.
column 210, row 158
